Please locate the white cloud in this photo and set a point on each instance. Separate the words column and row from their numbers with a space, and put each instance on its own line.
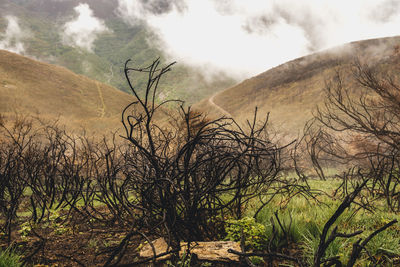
column 84, row 29
column 244, row 38
column 11, row 40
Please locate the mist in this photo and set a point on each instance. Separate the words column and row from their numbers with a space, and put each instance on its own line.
column 244, row 38
column 12, row 38
column 82, row 31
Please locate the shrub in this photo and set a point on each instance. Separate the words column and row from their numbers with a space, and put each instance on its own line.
column 254, row 232
column 187, row 178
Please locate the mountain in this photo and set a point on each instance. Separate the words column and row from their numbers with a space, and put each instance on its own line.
column 292, row 91
column 31, row 87
column 42, row 24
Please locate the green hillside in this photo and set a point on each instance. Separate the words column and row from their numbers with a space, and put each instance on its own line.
column 43, row 22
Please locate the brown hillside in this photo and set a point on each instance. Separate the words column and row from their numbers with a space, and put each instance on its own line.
column 291, row 91
column 32, row 87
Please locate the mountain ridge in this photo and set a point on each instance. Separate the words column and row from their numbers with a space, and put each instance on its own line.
column 291, row 91
column 44, row 21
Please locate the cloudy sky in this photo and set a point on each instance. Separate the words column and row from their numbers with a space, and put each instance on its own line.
column 239, row 37
column 247, row 37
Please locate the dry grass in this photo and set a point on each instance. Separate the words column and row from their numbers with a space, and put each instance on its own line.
column 291, row 91
column 31, row 87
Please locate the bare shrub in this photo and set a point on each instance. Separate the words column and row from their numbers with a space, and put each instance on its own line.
column 188, row 178
column 359, row 125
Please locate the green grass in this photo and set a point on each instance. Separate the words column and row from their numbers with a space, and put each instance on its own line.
column 9, row 259
column 307, row 219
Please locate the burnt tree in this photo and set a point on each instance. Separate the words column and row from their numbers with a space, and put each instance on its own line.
column 187, row 178
column 359, row 124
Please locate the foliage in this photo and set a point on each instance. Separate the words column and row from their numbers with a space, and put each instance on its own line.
column 310, row 242
column 25, row 229
column 308, row 217
column 9, row 259
column 254, row 233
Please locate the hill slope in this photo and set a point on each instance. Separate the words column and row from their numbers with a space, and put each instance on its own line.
column 291, row 91
column 42, row 22
column 31, row 87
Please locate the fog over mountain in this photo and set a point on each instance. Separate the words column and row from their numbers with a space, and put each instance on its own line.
column 244, row 38
column 228, row 39
column 12, row 38
column 93, row 38
column 82, row 31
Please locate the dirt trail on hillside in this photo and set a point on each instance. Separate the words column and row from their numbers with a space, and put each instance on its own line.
column 223, row 111
column 103, row 106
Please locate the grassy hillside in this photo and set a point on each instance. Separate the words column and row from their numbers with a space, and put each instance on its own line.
column 43, row 21
column 291, row 91
column 31, row 87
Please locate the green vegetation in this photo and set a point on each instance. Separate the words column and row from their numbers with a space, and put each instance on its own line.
column 254, row 233
column 9, row 259
column 304, row 219
column 302, row 222
column 70, row 199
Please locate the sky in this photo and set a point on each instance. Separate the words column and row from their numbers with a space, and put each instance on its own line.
column 240, row 38
column 246, row 37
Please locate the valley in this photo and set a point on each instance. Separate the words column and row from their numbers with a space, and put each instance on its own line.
column 109, row 156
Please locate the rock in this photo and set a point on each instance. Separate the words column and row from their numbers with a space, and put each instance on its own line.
column 213, row 251
column 160, row 246
column 210, row 251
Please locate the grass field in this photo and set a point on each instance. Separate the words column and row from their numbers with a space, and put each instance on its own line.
column 303, row 220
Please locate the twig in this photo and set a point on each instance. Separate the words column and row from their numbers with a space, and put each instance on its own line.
column 357, row 247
